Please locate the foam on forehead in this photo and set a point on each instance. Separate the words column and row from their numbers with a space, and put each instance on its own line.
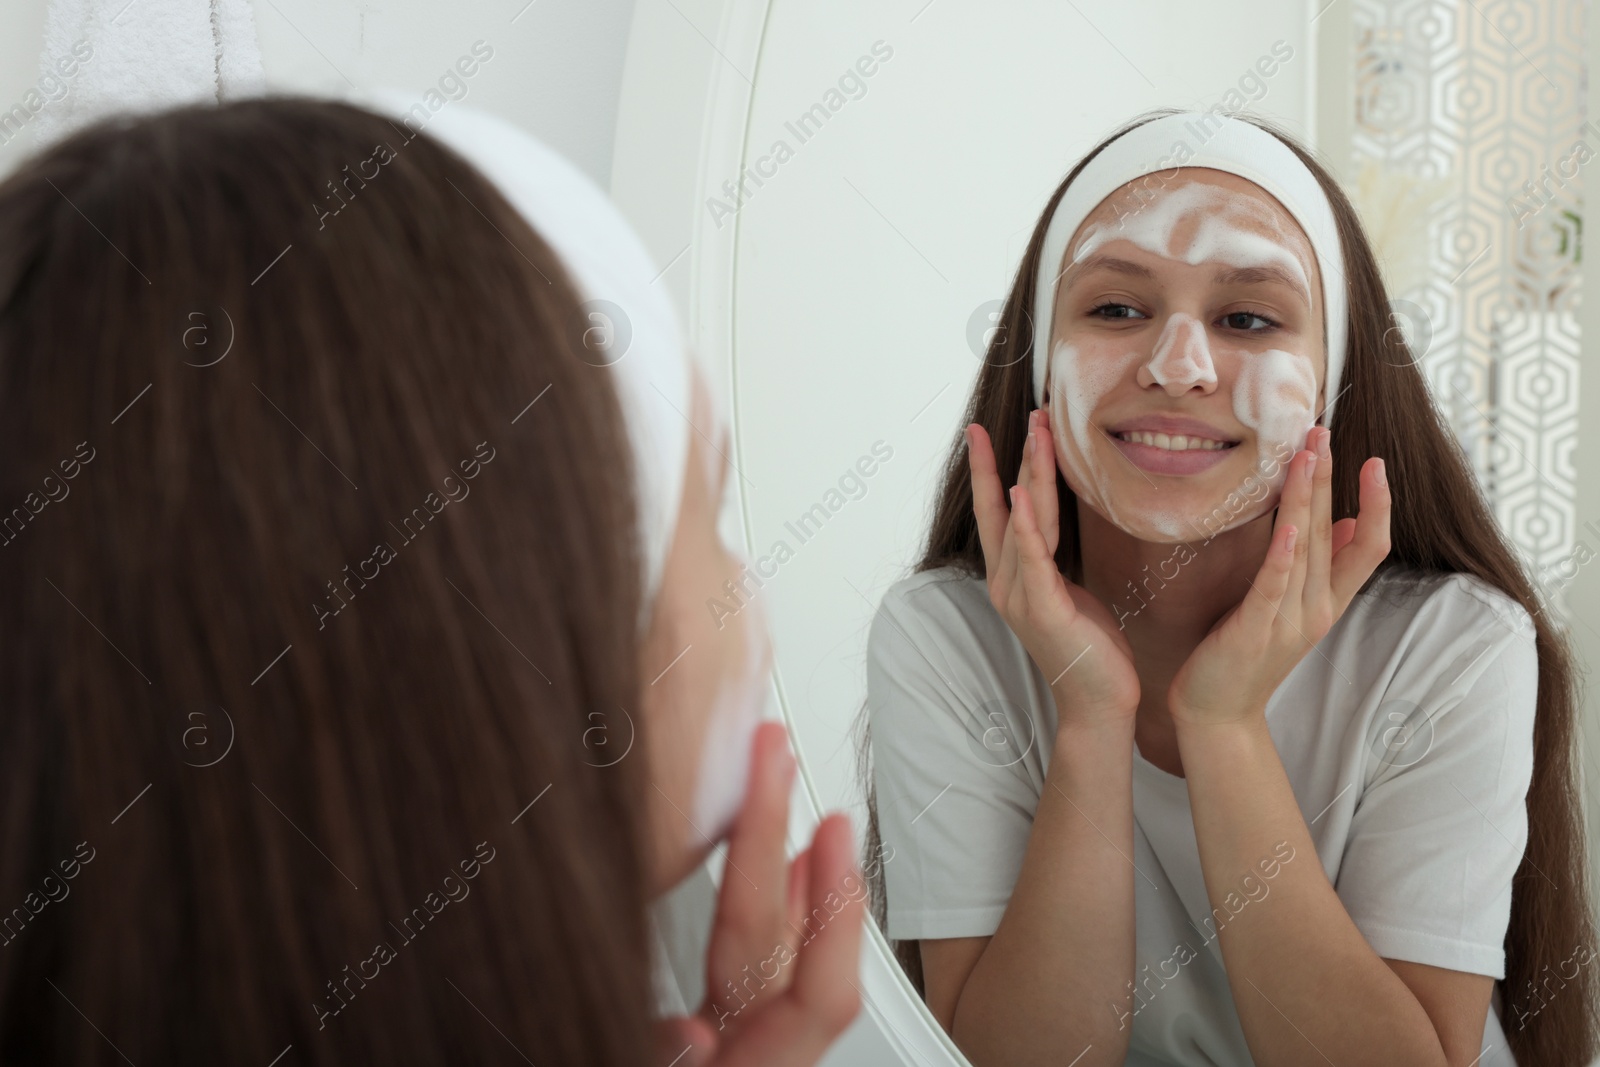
column 1229, row 231
column 1161, row 148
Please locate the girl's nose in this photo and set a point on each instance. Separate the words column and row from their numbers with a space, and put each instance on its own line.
column 1181, row 359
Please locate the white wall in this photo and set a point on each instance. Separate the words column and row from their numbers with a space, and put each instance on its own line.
column 556, row 69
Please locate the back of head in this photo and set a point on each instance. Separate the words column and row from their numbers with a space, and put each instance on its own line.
column 306, row 604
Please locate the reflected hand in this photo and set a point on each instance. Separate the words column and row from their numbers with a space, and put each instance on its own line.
column 786, row 936
column 1068, row 632
column 1313, row 569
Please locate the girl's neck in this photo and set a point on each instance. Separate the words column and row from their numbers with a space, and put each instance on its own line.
column 1169, row 592
column 1167, row 598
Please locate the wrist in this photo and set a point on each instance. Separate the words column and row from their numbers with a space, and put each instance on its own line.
column 1237, row 714
column 1246, row 730
column 1101, row 736
column 1074, row 708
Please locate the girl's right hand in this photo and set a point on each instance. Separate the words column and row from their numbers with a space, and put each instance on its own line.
column 1070, row 634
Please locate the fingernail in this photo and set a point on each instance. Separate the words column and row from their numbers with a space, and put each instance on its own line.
column 1030, row 442
column 1323, row 449
column 1311, row 466
column 1288, row 542
column 1380, row 475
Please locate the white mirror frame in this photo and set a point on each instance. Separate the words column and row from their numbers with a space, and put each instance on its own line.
column 683, row 117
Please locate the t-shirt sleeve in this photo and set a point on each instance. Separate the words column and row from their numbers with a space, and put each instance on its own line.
column 956, row 758
column 1441, row 826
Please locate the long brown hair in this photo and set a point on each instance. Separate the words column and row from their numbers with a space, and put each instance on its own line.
column 1440, row 523
column 299, row 658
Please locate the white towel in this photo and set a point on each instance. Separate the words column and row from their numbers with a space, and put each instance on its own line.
column 146, row 55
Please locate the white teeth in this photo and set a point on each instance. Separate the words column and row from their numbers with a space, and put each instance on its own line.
column 1175, row 443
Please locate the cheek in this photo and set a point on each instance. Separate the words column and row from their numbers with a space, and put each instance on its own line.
column 1080, row 378
column 744, row 659
column 1088, row 371
column 1275, row 395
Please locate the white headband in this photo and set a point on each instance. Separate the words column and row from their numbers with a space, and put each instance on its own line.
column 1182, row 140
column 654, row 377
column 608, row 263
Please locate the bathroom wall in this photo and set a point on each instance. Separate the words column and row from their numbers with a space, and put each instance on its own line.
column 556, row 69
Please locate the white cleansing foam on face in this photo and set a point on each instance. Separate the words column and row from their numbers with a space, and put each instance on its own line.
column 1274, row 392
column 1276, row 397
column 725, row 754
column 1077, row 385
column 1182, row 356
column 1222, row 231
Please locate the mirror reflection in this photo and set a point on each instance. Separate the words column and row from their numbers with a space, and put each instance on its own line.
column 1186, row 616
column 1198, row 666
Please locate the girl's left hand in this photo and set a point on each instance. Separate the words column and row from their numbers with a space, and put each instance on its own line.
column 785, row 946
column 1313, row 569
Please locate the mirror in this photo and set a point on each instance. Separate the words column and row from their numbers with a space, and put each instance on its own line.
column 871, row 265
column 866, row 180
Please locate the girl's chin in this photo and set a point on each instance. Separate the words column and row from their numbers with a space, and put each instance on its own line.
column 667, row 871
column 1170, row 521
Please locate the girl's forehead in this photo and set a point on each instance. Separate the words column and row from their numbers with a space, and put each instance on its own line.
column 1202, row 215
column 1176, row 215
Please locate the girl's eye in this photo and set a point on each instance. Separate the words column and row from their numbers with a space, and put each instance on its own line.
column 1113, row 310
column 1241, row 320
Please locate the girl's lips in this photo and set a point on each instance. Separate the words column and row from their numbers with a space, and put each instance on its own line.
column 1164, row 461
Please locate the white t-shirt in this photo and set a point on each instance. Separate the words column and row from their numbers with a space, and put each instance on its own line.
column 1408, row 742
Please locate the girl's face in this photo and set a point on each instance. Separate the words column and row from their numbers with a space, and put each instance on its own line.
column 704, row 679
column 1187, row 358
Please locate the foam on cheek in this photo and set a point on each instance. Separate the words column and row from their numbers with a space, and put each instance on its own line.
column 1077, row 385
column 730, row 732
column 1276, row 396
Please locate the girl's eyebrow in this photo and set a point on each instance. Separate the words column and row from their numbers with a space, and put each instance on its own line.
column 1102, row 261
column 1224, row 276
column 1263, row 273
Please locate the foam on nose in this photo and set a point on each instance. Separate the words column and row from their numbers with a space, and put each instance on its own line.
column 1182, row 355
